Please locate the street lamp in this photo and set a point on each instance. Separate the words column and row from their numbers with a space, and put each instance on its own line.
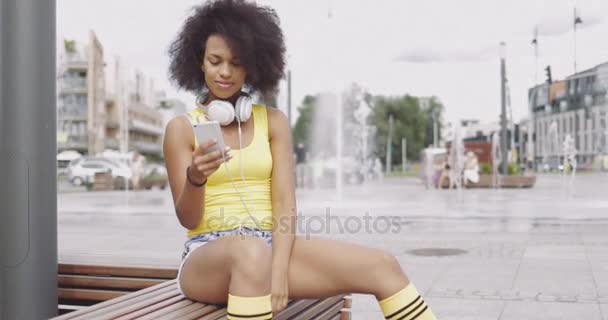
column 503, row 107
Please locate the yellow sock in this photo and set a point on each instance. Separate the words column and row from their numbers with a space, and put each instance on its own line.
column 249, row 308
column 406, row 304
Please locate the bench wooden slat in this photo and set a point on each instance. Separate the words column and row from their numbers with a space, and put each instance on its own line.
column 106, row 282
column 161, row 312
column 185, row 311
column 318, row 308
column 137, row 272
column 218, row 314
column 294, row 308
column 348, row 301
column 152, row 308
column 89, row 294
column 114, row 312
column 104, row 304
column 330, row 312
column 130, row 300
column 197, row 313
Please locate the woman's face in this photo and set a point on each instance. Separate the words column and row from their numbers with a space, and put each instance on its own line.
column 224, row 75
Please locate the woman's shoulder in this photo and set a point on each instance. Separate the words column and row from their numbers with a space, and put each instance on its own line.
column 181, row 127
column 277, row 121
column 274, row 114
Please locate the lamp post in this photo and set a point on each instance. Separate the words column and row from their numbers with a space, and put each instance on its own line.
column 503, row 108
column 28, row 200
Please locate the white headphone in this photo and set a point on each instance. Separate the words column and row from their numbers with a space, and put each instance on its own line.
column 223, row 111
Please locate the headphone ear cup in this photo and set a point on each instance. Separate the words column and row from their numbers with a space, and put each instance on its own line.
column 243, row 107
column 221, row 111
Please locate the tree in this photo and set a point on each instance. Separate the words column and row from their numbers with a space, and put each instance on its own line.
column 409, row 122
column 432, row 108
column 301, row 131
column 69, row 45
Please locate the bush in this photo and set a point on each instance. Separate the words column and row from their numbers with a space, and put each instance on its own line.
column 485, row 168
column 513, row 169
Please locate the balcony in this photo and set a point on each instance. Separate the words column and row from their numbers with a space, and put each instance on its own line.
column 76, row 61
column 112, row 143
column 138, row 125
column 147, row 147
column 112, row 123
column 72, row 142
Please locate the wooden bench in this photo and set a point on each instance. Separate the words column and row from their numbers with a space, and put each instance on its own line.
column 104, row 292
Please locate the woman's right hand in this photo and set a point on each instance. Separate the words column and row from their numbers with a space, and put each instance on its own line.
column 203, row 165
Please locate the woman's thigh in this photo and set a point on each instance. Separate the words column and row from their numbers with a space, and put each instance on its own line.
column 323, row 268
column 206, row 273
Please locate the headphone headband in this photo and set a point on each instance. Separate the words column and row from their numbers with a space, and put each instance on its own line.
column 223, row 111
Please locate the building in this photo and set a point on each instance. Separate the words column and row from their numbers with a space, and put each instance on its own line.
column 134, row 122
column 81, row 97
column 99, row 109
column 576, row 106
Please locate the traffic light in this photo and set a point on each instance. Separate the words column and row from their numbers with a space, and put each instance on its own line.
column 548, row 73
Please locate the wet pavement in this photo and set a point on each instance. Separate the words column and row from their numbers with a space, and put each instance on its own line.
column 539, row 253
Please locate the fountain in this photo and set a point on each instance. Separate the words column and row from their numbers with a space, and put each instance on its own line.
column 496, row 159
column 361, row 136
column 429, row 168
column 456, row 160
column 570, row 163
column 551, row 158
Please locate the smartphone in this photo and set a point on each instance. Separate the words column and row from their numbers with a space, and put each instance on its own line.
column 209, row 130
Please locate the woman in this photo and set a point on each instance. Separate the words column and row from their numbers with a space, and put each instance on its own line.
column 470, row 174
column 255, row 267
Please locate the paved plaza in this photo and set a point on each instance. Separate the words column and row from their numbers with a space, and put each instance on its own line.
column 538, row 253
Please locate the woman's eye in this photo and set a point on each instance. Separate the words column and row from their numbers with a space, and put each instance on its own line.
column 236, row 64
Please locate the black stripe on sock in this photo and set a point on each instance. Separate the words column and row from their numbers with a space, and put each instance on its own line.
column 401, row 310
column 250, row 316
column 419, row 313
column 269, row 318
column 413, row 310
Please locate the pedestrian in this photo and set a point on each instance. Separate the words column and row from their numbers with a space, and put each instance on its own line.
column 242, row 249
column 301, row 165
column 137, row 170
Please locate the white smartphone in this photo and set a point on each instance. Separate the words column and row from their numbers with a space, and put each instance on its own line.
column 209, row 130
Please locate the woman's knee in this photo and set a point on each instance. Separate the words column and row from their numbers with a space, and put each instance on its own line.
column 251, row 260
column 388, row 265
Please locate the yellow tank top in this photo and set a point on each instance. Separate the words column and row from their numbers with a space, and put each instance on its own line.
column 223, row 209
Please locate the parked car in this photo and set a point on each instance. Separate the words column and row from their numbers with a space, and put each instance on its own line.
column 63, row 160
column 155, row 176
column 83, row 170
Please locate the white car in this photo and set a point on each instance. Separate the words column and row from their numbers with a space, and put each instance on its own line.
column 83, row 170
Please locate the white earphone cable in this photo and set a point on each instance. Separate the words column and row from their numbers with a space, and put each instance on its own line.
column 242, row 175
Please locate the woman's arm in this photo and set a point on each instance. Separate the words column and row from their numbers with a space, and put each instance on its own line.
column 179, row 154
column 283, row 189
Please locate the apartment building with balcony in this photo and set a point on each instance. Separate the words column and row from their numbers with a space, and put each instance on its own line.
column 81, row 97
column 576, row 106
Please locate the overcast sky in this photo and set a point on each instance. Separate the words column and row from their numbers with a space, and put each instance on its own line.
column 444, row 48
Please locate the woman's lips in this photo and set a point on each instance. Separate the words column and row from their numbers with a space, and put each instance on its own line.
column 223, row 84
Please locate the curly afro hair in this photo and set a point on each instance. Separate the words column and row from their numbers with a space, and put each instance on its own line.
column 253, row 33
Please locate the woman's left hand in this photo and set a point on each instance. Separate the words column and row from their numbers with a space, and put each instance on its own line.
column 279, row 290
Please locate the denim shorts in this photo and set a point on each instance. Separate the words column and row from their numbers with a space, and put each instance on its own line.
column 202, row 239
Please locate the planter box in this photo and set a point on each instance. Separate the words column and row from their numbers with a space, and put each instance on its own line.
column 485, row 181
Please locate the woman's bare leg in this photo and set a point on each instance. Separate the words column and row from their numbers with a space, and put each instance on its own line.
column 323, row 268
column 239, row 265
